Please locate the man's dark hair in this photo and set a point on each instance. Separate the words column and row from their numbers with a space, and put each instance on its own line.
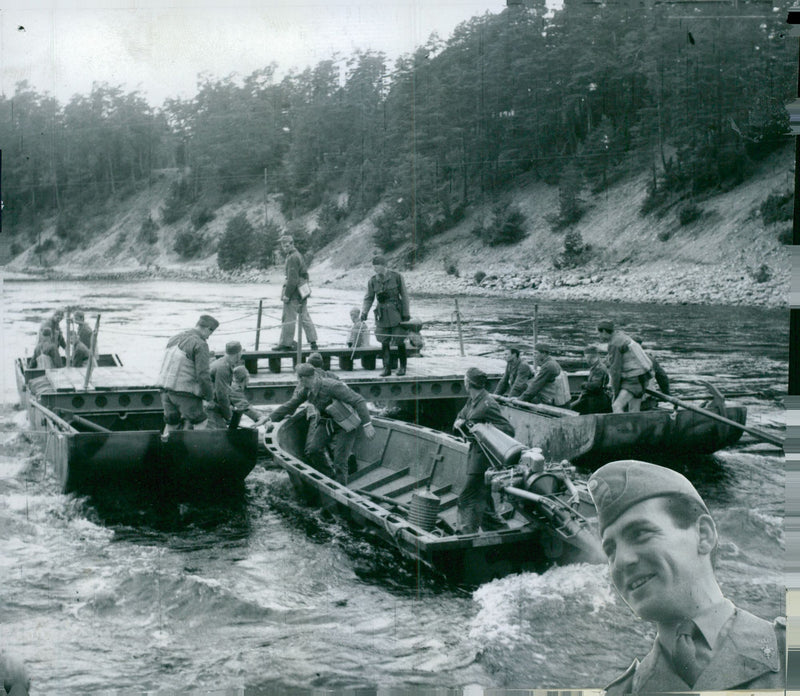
column 514, row 350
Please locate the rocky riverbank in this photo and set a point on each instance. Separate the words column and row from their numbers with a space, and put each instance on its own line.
column 766, row 285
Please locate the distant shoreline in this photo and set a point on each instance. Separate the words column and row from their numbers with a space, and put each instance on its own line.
column 646, row 285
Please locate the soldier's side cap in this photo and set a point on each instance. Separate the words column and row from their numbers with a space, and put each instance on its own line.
column 233, row 347
column 518, row 347
column 78, row 315
column 208, row 321
column 476, row 377
column 305, row 370
column 545, row 348
column 315, row 359
column 285, row 238
column 606, row 325
column 47, row 331
column 591, row 348
column 620, row 485
column 379, row 260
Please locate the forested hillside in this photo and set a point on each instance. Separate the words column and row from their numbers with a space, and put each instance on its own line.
column 687, row 99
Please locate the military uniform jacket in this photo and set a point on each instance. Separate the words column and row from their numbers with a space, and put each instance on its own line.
column 484, row 409
column 515, row 378
column 597, row 381
column 296, row 274
column 390, row 291
column 222, row 376
column 750, row 655
column 326, row 391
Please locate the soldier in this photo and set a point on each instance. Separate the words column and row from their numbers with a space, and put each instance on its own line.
column 550, row 385
column 83, row 329
column 628, row 366
column 516, row 375
column 475, row 504
column 341, row 411
column 45, row 354
column 184, row 378
column 80, row 351
column 316, row 361
column 294, row 302
column 594, row 396
column 389, row 289
column 659, row 539
column 221, row 371
column 56, row 335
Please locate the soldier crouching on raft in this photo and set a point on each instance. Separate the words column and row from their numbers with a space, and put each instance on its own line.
column 660, row 539
column 185, row 379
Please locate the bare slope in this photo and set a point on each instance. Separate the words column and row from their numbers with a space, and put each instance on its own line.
column 717, row 258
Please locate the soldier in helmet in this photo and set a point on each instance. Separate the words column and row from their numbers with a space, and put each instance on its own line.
column 659, row 538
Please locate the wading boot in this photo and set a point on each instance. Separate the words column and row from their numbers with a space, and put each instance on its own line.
column 386, row 358
column 401, row 359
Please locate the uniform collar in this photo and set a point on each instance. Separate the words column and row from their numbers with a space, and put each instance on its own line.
column 746, row 648
column 709, row 622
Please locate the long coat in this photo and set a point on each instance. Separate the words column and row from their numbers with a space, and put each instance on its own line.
column 390, row 291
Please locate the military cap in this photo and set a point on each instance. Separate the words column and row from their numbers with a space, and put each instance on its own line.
column 233, row 347
column 241, row 372
column 606, row 325
column 545, row 348
column 591, row 349
column 305, row 370
column 284, row 238
column 208, row 321
column 476, row 377
column 47, row 331
column 315, row 359
column 518, row 348
column 379, row 260
column 620, row 485
column 78, row 315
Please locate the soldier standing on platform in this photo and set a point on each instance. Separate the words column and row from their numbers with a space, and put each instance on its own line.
column 389, row 289
column 294, row 302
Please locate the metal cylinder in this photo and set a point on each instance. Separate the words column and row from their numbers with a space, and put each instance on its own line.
column 423, row 510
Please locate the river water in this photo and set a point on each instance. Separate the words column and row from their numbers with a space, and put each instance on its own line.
column 258, row 593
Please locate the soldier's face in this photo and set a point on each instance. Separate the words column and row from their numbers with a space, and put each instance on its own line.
column 308, row 381
column 654, row 564
column 380, row 269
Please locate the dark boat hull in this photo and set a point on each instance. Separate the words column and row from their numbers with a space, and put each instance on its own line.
column 118, row 449
column 595, row 438
column 409, row 451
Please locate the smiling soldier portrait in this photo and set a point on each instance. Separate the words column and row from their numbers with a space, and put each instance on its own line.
column 660, row 539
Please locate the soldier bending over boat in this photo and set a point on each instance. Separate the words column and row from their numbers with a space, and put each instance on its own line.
column 475, row 503
column 46, row 354
column 185, row 379
column 660, row 540
column 221, row 370
column 341, row 411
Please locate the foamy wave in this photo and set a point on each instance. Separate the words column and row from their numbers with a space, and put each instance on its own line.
column 509, row 606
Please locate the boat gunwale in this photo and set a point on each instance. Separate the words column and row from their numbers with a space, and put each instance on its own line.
column 418, row 539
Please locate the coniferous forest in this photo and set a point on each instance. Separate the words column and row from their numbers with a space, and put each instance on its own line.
column 692, row 93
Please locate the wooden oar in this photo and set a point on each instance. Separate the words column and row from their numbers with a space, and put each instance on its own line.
column 759, row 434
